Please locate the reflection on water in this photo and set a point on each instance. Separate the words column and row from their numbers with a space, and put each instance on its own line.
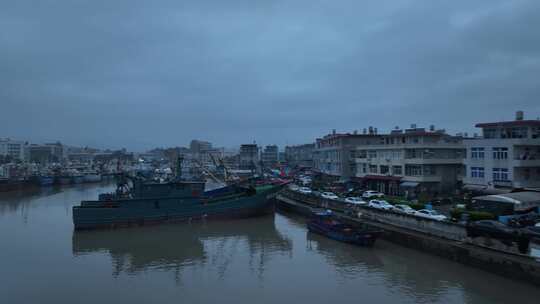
column 270, row 259
column 199, row 243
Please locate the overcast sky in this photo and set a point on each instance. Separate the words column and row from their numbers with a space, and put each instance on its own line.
column 140, row 74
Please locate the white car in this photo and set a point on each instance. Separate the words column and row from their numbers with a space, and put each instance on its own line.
column 372, row 194
column 293, row 187
column 380, row 204
column 329, row 195
column 355, row 201
column 430, row 214
column 304, row 190
column 404, row 209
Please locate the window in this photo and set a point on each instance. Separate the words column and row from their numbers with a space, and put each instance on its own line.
column 372, row 154
column 384, row 169
column 397, row 170
column 500, row 174
column 477, row 172
column 477, row 153
column 519, row 132
column 490, row 133
column 500, row 153
column 364, row 168
column 430, row 170
column 535, row 132
column 361, row 154
column 372, row 168
column 413, row 170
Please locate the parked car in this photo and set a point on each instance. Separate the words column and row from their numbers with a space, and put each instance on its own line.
column 532, row 231
column 329, row 195
column 490, row 228
column 372, row 194
column 380, row 204
column 293, row 187
column 355, row 200
column 430, row 214
column 304, row 190
column 404, row 209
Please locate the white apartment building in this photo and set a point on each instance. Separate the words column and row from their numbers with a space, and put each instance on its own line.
column 331, row 155
column 411, row 161
column 13, row 148
column 507, row 156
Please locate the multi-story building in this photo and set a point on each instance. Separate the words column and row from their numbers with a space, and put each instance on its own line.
column 270, row 155
column 506, row 156
column 15, row 149
column 249, row 157
column 409, row 162
column 198, row 146
column 300, row 155
column 332, row 153
column 46, row 153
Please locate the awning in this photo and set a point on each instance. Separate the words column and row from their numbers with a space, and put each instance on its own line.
column 479, row 188
column 486, row 190
column 382, row 177
column 409, row 184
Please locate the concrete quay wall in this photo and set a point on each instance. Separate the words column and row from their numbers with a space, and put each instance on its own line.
column 444, row 239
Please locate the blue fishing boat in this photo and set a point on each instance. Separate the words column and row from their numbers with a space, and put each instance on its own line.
column 324, row 223
column 144, row 202
column 45, row 180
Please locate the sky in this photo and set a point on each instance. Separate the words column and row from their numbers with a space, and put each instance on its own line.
column 143, row 74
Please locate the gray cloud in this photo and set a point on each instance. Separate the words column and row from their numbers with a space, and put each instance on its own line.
column 140, row 74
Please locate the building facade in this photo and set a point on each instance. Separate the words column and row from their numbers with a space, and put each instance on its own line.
column 14, row 149
column 332, row 154
column 248, row 157
column 408, row 162
column 270, row 155
column 505, row 157
column 300, row 155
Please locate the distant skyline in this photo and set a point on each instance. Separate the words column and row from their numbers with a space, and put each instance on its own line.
column 139, row 74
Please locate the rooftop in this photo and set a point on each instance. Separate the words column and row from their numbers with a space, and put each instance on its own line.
column 513, row 123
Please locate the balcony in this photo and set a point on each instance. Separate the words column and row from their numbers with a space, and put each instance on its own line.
column 424, row 179
column 433, row 161
column 526, row 163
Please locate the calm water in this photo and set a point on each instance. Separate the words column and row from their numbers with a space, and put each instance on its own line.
column 262, row 260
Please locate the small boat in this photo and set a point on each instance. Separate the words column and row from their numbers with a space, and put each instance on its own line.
column 91, row 177
column 64, row 180
column 45, row 180
column 78, row 179
column 324, row 223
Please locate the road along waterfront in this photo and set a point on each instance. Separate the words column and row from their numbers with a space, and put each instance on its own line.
column 261, row 260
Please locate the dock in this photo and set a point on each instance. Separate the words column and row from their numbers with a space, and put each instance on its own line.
column 444, row 239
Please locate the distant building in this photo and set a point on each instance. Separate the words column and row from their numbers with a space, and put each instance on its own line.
column 505, row 157
column 249, row 157
column 270, row 155
column 15, row 149
column 409, row 162
column 199, row 146
column 332, row 154
column 300, row 155
column 42, row 154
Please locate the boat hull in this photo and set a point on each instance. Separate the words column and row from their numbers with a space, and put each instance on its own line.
column 146, row 211
column 366, row 238
column 46, row 181
column 92, row 178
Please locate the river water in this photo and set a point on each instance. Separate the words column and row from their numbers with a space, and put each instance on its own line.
column 271, row 259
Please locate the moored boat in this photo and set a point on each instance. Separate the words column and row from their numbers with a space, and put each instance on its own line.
column 149, row 202
column 78, row 179
column 324, row 223
column 45, row 180
column 91, row 177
